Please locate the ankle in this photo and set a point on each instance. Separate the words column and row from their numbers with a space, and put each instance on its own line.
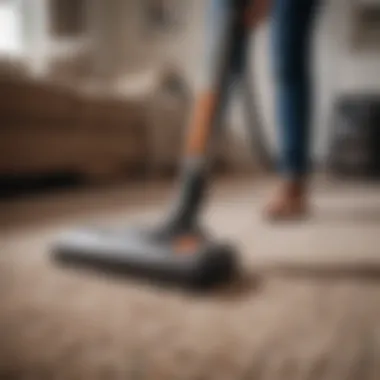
column 293, row 188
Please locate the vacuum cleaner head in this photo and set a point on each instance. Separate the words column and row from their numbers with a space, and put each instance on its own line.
column 181, row 255
column 186, row 260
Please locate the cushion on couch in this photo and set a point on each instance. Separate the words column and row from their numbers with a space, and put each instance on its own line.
column 26, row 102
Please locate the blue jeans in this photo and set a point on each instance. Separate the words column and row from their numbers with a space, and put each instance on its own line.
column 292, row 26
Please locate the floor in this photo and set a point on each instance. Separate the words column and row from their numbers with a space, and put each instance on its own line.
column 308, row 306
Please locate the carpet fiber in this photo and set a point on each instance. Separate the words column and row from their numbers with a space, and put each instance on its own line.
column 303, row 310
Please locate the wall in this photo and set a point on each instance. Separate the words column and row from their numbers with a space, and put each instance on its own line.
column 338, row 68
column 125, row 45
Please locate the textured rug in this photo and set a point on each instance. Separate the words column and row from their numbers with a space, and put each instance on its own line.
column 274, row 325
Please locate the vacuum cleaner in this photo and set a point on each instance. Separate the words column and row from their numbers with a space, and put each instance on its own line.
column 179, row 251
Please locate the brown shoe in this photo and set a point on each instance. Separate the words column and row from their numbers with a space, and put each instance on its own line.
column 289, row 202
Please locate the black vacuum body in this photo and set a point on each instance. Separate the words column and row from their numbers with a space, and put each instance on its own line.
column 177, row 250
column 190, row 261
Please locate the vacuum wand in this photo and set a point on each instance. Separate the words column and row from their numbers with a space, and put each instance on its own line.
column 206, row 124
column 178, row 251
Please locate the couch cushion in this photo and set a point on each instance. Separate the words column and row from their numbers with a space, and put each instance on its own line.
column 105, row 112
column 25, row 101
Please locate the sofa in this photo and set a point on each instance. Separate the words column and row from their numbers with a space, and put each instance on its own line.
column 46, row 127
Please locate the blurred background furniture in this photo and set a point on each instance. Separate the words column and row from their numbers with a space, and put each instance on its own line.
column 355, row 147
column 47, row 127
column 71, row 104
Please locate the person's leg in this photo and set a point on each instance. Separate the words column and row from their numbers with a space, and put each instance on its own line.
column 292, row 34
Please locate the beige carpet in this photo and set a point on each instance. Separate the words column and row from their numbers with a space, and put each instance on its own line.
column 303, row 311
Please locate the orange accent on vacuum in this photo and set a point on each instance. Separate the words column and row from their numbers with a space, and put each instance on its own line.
column 201, row 126
column 186, row 244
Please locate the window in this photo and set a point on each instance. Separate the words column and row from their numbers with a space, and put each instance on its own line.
column 10, row 28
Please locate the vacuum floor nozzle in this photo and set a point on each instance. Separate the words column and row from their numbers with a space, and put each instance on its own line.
column 137, row 253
